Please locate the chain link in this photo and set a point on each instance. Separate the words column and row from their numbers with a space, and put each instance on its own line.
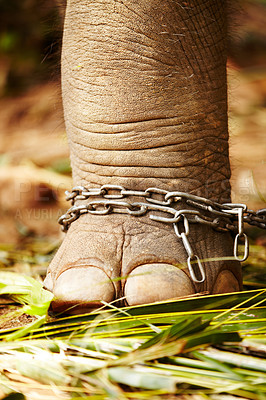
column 221, row 217
column 184, row 237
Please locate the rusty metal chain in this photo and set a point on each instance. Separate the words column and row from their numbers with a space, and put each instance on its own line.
column 222, row 217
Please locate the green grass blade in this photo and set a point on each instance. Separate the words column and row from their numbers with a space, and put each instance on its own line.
column 239, row 360
column 134, row 377
column 26, row 290
column 25, row 330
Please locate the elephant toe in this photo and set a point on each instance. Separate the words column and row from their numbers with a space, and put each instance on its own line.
column 80, row 289
column 226, row 282
column 154, row 282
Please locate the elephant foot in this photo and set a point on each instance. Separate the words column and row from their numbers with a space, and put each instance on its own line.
column 133, row 261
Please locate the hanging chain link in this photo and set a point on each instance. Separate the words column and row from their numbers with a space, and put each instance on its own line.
column 222, row 217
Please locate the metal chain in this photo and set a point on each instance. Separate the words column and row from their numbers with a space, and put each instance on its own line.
column 222, row 217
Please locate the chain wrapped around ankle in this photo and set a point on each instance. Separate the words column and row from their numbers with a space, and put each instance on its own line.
column 222, row 217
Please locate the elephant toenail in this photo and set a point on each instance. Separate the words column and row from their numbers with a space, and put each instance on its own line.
column 149, row 283
column 226, row 282
column 82, row 286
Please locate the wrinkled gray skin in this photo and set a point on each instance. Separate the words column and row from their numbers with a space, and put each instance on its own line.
column 145, row 103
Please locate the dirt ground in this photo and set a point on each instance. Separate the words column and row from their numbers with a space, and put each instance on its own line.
column 247, row 127
column 34, row 166
column 33, row 146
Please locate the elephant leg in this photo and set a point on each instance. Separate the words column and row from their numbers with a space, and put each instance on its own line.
column 145, row 103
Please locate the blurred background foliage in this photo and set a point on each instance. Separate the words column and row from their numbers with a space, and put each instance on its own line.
column 247, row 32
column 30, row 37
